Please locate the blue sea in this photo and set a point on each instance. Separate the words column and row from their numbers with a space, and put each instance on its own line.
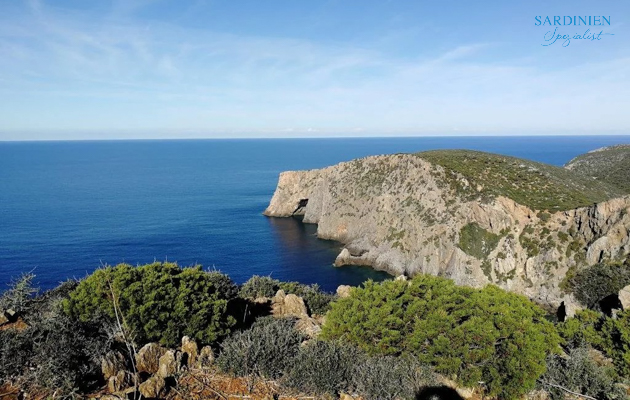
column 67, row 208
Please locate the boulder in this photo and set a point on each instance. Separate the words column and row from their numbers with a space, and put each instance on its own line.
column 624, row 297
column 148, row 358
column 153, row 387
column 170, row 363
column 122, row 380
column 309, row 327
column 112, row 363
column 3, row 318
column 344, row 291
column 401, row 278
column 191, row 349
column 288, row 305
column 206, row 357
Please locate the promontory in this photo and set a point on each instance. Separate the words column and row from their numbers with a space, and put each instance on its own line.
column 471, row 216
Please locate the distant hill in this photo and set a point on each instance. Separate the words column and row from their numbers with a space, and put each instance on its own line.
column 608, row 164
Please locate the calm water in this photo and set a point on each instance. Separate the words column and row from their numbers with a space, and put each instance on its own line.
column 67, row 207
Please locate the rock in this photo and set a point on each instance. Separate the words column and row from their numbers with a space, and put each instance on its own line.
column 190, row 347
column 624, row 297
column 288, row 305
column 309, row 327
column 411, row 223
column 112, row 363
column 7, row 316
column 153, row 387
column 148, row 358
column 279, row 297
column 170, row 364
column 205, row 358
column 110, row 397
column 344, row 291
column 401, row 278
column 122, row 380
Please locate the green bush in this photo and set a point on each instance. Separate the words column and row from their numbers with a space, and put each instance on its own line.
column 324, row 368
column 488, row 335
column 579, row 373
column 159, row 302
column 615, row 334
column 594, row 283
column 265, row 350
column 476, row 241
column 582, row 330
column 259, row 286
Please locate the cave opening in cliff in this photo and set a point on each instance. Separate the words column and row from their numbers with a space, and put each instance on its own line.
column 610, row 303
column 301, row 204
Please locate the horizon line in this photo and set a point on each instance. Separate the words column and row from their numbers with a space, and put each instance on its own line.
column 137, row 139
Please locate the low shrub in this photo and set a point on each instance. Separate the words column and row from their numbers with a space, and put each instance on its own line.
column 600, row 280
column 317, row 301
column 19, row 294
column 159, row 302
column 579, row 373
column 324, row 367
column 265, row 350
column 488, row 335
column 389, row 378
column 53, row 352
column 259, row 286
column 584, row 329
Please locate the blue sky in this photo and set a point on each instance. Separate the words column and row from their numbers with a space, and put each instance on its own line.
column 76, row 69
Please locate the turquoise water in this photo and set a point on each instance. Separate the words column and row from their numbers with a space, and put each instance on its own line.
column 68, row 207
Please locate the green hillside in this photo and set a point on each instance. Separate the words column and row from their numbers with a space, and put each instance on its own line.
column 609, row 164
column 535, row 185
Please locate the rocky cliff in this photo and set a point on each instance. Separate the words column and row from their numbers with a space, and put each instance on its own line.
column 476, row 218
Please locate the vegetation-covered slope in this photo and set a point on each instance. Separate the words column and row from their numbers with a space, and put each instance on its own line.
column 535, row 185
column 608, row 164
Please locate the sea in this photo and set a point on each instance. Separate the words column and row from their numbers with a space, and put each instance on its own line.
column 69, row 207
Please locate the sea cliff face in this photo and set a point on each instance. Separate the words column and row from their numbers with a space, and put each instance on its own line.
column 405, row 215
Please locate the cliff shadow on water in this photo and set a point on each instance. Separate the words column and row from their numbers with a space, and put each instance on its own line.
column 300, row 248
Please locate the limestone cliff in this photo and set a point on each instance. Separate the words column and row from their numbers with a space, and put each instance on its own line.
column 412, row 213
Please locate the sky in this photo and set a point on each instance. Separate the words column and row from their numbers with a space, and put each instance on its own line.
column 135, row 69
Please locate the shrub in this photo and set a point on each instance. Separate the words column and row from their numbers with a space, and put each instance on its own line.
column 159, row 302
column 265, row 350
column 581, row 374
column 486, row 335
column 582, row 330
column 54, row 352
column 476, row 241
column 594, row 283
column 317, row 301
column 259, row 286
column 389, row 378
column 616, row 341
column 324, row 368
column 20, row 292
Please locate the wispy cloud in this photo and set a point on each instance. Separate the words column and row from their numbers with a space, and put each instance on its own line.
column 83, row 70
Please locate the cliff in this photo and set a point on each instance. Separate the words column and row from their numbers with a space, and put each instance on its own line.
column 476, row 218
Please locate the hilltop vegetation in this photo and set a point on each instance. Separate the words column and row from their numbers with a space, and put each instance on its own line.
column 608, row 164
column 535, row 185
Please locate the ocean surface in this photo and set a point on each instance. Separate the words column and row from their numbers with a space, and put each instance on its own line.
column 68, row 207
